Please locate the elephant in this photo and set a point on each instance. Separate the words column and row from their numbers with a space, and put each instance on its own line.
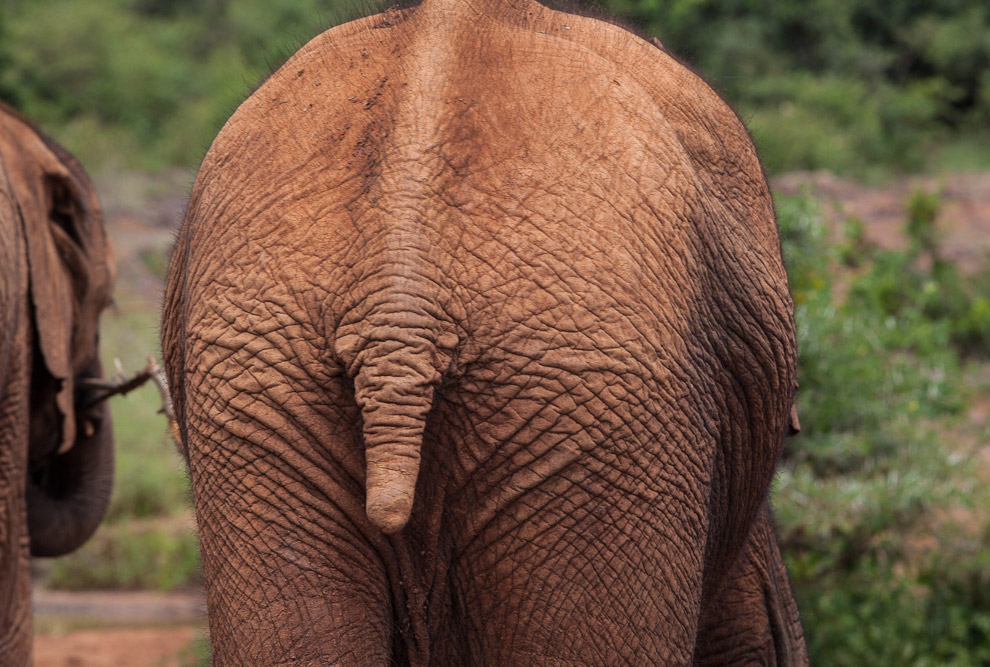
column 482, row 353
column 56, row 445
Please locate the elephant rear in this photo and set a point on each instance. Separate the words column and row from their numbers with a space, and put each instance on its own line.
column 482, row 350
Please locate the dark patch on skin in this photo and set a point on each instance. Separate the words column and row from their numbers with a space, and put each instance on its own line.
column 365, row 9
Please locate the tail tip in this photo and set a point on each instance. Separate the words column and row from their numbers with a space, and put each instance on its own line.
column 389, row 512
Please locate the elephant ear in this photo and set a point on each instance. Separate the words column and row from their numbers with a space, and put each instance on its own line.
column 68, row 255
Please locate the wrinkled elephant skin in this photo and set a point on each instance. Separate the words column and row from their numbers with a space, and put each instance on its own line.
column 56, row 450
column 482, row 354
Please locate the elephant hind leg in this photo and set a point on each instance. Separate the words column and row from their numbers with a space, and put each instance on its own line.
column 754, row 619
column 291, row 579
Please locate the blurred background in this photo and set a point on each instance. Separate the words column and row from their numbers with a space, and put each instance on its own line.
column 873, row 121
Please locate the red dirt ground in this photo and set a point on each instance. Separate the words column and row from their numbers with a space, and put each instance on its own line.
column 963, row 220
column 116, row 628
column 118, row 647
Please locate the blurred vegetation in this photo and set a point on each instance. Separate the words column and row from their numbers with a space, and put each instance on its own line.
column 146, row 83
column 197, row 654
column 131, row 555
column 855, row 86
column 147, row 540
column 864, row 502
column 847, row 85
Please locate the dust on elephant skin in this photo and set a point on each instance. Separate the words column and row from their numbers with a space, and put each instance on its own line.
column 483, row 353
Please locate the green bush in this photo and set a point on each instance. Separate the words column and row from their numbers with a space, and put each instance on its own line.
column 931, row 305
column 881, row 376
column 130, row 557
column 876, row 617
column 145, row 83
column 847, row 85
column 877, row 353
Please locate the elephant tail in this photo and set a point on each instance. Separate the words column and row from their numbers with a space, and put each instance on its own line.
column 394, row 379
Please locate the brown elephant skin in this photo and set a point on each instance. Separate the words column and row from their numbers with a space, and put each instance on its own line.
column 483, row 354
column 56, row 451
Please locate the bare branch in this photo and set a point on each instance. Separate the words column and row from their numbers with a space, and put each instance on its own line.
column 118, row 386
column 123, row 385
column 158, row 377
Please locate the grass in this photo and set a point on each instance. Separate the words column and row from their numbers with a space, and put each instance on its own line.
column 131, row 555
column 197, row 654
column 969, row 153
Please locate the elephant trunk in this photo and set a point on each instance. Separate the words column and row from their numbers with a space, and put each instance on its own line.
column 68, row 494
column 394, row 385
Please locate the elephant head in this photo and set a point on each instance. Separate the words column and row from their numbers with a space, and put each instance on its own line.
column 70, row 278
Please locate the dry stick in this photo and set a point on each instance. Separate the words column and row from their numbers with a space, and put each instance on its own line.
column 168, row 409
column 121, row 385
column 124, row 385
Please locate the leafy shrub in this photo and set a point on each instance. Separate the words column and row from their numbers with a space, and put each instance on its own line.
column 933, row 306
column 145, row 83
column 838, row 84
column 880, row 370
column 876, row 353
column 130, row 557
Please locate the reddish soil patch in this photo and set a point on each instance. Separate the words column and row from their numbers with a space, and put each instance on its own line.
column 116, row 628
column 963, row 219
column 145, row 647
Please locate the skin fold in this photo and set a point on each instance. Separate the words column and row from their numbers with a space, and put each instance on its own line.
column 482, row 353
column 56, row 450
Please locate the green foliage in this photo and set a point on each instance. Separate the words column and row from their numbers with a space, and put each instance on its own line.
column 882, row 341
column 922, row 210
column 847, row 85
column 98, row 69
column 869, row 612
column 130, row 557
column 826, row 121
column 876, row 617
column 880, row 374
column 926, row 301
column 145, row 83
column 838, row 84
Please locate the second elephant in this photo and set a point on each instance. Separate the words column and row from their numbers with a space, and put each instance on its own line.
column 56, row 444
